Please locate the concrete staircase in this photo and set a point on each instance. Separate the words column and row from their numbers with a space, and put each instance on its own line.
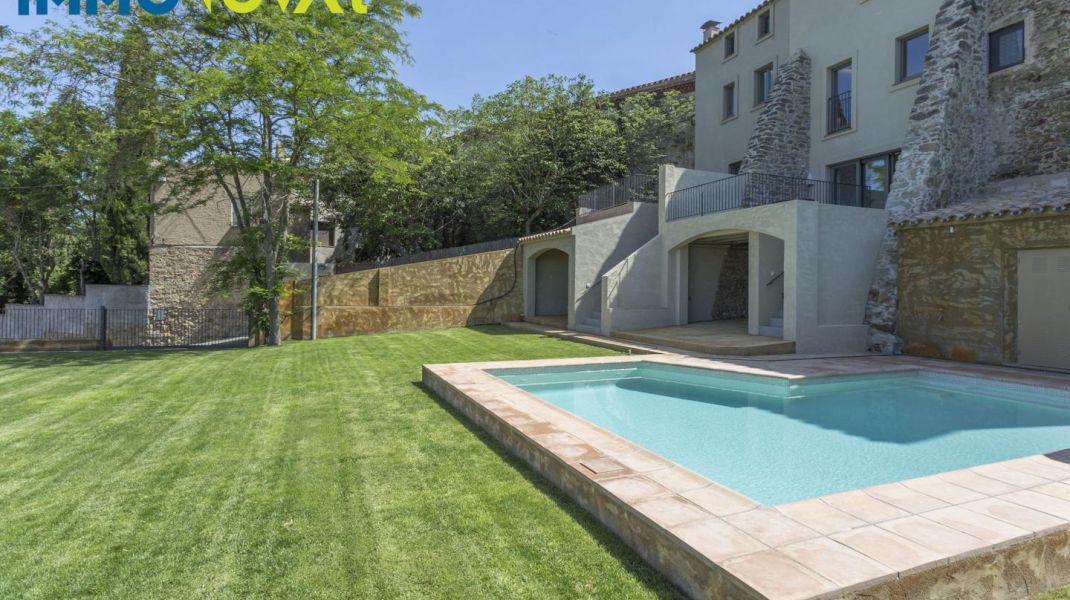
column 591, row 324
column 775, row 328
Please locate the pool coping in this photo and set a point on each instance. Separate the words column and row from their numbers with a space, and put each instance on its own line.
column 712, row 541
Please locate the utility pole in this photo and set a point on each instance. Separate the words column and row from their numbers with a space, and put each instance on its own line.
column 315, row 258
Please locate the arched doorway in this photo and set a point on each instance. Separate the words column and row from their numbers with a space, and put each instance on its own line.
column 551, row 284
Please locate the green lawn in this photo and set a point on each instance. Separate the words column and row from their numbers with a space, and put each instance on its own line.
column 315, row 470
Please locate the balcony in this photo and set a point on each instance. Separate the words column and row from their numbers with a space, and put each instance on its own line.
column 839, row 113
column 757, row 189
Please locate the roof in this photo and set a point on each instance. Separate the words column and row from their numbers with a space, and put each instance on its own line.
column 733, row 24
column 1031, row 195
column 547, row 235
column 682, row 83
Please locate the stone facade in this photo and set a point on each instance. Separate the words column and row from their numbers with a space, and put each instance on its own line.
column 1030, row 103
column 477, row 289
column 946, row 158
column 732, row 287
column 958, row 284
column 180, row 277
column 780, row 144
column 969, row 127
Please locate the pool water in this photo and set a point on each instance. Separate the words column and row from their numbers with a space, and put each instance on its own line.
column 778, row 441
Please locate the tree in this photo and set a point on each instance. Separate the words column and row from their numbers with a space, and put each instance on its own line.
column 538, row 145
column 281, row 99
column 123, row 246
column 51, row 167
column 652, row 126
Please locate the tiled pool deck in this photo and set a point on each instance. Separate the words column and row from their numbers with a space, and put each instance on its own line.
column 994, row 531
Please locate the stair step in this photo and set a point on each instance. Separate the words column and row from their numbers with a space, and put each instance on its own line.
column 779, row 314
column 773, row 332
column 777, row 322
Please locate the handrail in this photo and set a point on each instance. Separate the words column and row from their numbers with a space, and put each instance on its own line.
column 759, row 189
column 634, row 188
column 775, row 279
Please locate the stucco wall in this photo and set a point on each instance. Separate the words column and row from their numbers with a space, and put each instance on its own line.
column 719, row 141
column 453, row 292
column 958, row 290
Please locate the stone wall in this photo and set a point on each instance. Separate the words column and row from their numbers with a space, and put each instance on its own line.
column 1030, row 103
column 958, row 290
column 947, row 155
column 732, row 297
column 179, row 277
column 780, row 144
column 478, row 289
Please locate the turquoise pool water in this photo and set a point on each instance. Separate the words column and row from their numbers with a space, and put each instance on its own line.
column 780, row 442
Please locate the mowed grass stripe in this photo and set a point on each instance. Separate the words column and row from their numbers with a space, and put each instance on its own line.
column 315, row 470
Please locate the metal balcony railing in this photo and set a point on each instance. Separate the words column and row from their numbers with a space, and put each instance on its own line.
column 634, row 188
column 839, row 113
column 757, row 189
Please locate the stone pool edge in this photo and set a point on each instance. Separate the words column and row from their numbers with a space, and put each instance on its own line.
column 713, row 542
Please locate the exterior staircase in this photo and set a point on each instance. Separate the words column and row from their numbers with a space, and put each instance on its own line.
column 775, row 328
column 592, row 323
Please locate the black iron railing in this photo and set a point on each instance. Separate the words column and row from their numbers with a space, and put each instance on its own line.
column 758, row 189
column 113, row 329
column 839, row 113
column 634, row 188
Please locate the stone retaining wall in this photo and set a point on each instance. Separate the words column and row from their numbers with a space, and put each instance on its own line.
column 479, row 289
column 958, row 286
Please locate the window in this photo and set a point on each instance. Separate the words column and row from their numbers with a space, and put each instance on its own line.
column 729, row 101
column 1006, row 47
column 763, row 84
column 865, row 182
column 765, row 24
column 841, row 82
column 912, row 51
column 735, row 168
column 730, row 45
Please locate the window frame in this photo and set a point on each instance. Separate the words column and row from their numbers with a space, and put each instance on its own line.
column 730, row 40
column 765, row 17
column 993, row 55
column 759, row 84
column 901, row 57
column 727, row 90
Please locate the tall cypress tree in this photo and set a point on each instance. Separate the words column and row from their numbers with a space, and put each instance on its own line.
column 126, row 206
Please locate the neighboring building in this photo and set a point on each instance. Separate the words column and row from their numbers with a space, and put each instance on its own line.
column 184, row 245
column 817, row 125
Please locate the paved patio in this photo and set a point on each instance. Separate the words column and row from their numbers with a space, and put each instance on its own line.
column 992, row 531
column 721, row 338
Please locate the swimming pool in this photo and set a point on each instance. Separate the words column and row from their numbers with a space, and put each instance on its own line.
column 779, row 441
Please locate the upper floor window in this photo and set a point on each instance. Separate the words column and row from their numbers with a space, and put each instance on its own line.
column 730, row 45
column 729, row 95
column 912, row 51
column 841, row 83
column 1006, row 47
column 763, row 84
column 765, row 24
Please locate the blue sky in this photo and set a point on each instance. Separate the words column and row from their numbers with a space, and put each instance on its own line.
column 467, row 47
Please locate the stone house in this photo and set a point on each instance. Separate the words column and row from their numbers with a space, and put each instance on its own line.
column 887, row 175
column 184, row 244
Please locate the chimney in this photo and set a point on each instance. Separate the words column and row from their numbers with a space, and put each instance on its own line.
column 710, row 29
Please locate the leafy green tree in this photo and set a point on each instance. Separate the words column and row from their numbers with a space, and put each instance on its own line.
column 52, row 162
column 653, row 127
column 282, row 99
column 125, row 208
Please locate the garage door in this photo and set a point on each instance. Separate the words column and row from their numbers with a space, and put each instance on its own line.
column 1044, row 308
